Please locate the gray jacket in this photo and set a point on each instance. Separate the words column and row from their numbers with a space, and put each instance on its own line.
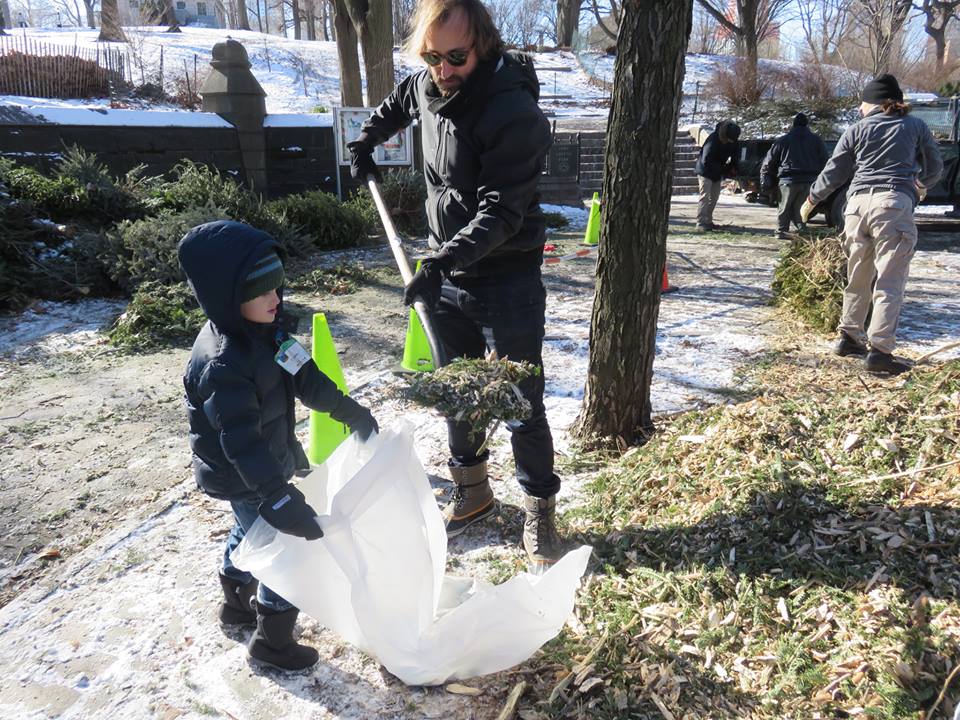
column 882, row 151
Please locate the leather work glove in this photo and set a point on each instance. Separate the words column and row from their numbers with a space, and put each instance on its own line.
column 426, row 283
column 806, row 210
column 355, row 416
column 288, row 511
column 361, row 162
column 921, row 192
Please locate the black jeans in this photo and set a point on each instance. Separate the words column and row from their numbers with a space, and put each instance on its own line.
column 504, row 313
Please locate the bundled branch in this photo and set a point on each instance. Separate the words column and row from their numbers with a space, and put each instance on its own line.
column 477, row 392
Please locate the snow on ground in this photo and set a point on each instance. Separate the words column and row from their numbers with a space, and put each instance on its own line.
column 576, row 216
column 55, row 327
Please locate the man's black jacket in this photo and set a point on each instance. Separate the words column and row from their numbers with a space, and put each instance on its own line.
column 240, row 402
column 718, row 158
column 797, row 157
column 483, row 152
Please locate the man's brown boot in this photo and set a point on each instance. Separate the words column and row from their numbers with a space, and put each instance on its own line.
column 540, row 538
column 472, row 498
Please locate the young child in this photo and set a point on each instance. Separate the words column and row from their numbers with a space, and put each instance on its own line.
column 240, row 392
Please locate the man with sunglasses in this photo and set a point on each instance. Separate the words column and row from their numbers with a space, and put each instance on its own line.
column 484, row 141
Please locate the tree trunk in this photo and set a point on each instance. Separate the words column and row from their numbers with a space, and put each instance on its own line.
column 373, row 22
column 168, row 17
column 110, row 30
column 638, row 170
column 91, row 17
column 748, row 25
column 243, row 18
column 295, row 11
column 940, row 46
column 324, row 24
column 6, row 19
column 351, row 94
column 568, row 19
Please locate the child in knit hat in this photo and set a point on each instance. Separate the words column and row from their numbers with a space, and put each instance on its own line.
column 243, row 377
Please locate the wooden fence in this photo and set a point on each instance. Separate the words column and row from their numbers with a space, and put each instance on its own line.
column 37, row 69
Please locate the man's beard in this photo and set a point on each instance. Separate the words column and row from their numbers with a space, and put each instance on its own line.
column 451, row 88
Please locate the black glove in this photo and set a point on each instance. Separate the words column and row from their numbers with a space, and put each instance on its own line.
column 356, row 417
column 361, row 162
column 288, row 511
column 426, row 283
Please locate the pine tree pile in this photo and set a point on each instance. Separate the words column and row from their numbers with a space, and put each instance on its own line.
column 809, row 280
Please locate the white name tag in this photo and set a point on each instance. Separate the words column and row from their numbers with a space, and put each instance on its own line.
column 292, row 356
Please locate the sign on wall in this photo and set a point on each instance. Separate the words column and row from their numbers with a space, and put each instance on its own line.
column 347, row 122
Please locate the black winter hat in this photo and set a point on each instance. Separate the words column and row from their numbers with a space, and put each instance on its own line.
column 882, row 88
column 733, row 131
column 266, row 275
column 800, row 120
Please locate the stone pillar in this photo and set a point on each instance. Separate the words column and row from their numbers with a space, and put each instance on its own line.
column 232, row 92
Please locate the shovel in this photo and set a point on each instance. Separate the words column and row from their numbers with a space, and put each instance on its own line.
column 403, row 262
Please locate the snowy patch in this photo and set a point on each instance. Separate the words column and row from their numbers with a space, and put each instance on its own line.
column 49, row 327
column 576, row 216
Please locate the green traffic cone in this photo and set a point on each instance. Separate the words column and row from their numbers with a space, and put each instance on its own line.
column 326, row 434
column 592, row 236
column 416, row 350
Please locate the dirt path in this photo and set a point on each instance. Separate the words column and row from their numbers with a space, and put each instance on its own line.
column 107, row 558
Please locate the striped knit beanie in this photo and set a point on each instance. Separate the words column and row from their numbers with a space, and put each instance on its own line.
column 266, row 275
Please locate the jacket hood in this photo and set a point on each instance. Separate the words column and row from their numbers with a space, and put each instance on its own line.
column 517, row 71
column 216, row 258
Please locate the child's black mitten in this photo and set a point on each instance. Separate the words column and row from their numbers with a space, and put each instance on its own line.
column 287, row 510
column 356, row 417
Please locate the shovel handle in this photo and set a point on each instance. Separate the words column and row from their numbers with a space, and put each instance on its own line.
column 406, row 272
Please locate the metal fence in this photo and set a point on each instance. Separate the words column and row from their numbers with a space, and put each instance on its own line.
column 37, row 69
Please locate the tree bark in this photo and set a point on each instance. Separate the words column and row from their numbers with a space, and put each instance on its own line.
column 936, row 15
column 91, row 17
column 110, row 29
column 243, row 18
column 6, row 19
column 351, row 93
column 638, row 170
column 568, row 19
column 168, row 17
column 295, row 11
column 373, row 22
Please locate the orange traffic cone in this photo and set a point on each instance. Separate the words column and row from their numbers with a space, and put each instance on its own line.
column 665, row 286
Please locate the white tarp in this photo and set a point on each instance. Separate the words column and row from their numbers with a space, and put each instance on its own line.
column 376, row 578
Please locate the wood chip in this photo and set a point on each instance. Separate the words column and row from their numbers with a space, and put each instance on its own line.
column 662, row 707
column 589, row 684
column 851, row 441
column 888, row 445
column 509, row 709
column 458, row 689
column 782, row 609
column 50, row 554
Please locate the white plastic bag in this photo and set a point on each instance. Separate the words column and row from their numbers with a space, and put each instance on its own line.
column 376, row 577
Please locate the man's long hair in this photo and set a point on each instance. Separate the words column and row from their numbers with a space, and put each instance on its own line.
column 486, row 37
column 892, row 107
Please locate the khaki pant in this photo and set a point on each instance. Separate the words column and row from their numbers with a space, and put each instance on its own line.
column 709, row 194
column 880, row 238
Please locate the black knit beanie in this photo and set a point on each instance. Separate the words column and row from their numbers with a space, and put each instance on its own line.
column 266, row 275
column 882, row 88
column 800, row 120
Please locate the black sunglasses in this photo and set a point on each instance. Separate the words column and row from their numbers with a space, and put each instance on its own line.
column 456, row 58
